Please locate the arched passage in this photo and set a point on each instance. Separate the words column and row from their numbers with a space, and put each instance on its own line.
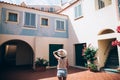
column 107, row 53
column 15, row 53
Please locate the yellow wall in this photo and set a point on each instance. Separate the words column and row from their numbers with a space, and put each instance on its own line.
column 104, row 47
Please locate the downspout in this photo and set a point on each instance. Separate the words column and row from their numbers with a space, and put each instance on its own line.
column 34, row 53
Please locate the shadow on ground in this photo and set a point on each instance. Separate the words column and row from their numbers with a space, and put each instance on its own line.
column 28, row 74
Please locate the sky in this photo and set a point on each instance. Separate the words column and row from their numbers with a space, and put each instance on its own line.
column 37, row 2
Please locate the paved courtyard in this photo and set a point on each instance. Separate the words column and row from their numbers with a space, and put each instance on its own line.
column 50, row 74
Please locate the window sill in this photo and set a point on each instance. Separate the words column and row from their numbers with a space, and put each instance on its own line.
column 44, row 26
column 60, row 30
column 13, row 22
column 78, row 18
column 29, row 27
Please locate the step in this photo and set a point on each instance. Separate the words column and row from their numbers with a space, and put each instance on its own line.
column 111, row 70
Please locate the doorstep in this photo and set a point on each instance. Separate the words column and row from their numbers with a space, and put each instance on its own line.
column 111, row 70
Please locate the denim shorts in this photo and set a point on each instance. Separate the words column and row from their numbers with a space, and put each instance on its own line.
column 62, row 73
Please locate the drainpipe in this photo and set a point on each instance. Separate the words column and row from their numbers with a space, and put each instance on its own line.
column 34, row 53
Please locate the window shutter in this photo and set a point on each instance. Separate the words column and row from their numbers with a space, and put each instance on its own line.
column 79, row 10
column 27, row 18
column 32, row 19
column 58, row 25
column 75, row 12
column 62, row 25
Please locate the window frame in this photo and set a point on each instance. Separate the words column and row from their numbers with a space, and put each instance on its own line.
column 56, row 25
column 42, row 25
column 101, row 4
column 42, row 9
column 51, row 9
column 119, row 7
column 76, row 8
column 7, row 16
column 30, row 26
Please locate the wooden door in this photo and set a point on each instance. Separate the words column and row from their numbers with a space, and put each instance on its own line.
column 53, row 47
column 79, row 59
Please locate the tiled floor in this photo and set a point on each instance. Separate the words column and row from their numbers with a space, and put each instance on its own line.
column 50, row 74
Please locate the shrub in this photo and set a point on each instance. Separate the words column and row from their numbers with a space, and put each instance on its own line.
column 41, row 62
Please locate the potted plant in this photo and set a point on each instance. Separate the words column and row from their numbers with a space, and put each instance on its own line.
column 92, row 67
column 89, row 54
column 41, row 64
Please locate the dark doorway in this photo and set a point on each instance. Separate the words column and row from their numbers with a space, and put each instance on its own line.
column 16, row 53
column 112, row 59
column 79, row 59
column 10, row 55
column 53, row 47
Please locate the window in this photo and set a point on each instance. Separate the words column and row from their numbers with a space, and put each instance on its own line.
column 42, row 8
column 60, row 25
column 101, row 4
column 78, row 11
column 51, row 10
column 30, row 20
column 119, row 5
column 44, row 22
column 12, row 16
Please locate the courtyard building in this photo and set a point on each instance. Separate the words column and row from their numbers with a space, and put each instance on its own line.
column 29, row 32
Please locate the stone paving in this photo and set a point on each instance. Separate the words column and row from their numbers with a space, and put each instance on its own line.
column 50, row 74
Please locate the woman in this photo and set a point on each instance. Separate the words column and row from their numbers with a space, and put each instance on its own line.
column 61, row 56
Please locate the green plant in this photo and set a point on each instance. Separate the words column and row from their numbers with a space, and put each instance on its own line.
column 92, row 67
column 41, row 62
column 89, row 54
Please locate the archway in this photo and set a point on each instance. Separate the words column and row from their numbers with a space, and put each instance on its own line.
column 107, row 57
column 16, row 53
column 106, row 31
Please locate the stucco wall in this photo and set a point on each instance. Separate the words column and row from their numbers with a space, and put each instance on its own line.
column 42, row 45
column 19, row 28
column 86, row 29
column 20, row 58
column 27, row 39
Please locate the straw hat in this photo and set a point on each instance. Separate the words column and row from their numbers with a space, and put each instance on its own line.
column 62, row 52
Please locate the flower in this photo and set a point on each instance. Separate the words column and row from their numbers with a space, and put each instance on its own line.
column 115, row 43
column 118, row 29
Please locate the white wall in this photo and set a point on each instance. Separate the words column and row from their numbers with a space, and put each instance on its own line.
column 86, row 29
